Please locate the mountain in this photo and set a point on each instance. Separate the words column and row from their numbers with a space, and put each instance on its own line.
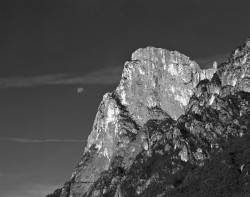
column 170, row 129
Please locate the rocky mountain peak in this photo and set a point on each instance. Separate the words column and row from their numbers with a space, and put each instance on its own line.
column 166, row 118
column 236, row 71
column 158, row 78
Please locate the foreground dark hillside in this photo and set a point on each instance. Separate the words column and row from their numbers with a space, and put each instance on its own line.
column 225, row 174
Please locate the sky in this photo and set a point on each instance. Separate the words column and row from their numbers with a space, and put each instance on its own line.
column 50, row 48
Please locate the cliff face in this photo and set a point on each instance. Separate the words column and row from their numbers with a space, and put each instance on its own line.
column 165, row 121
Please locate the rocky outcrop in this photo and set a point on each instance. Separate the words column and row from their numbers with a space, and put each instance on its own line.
column 158, row 78
column 236, row 71
column 165, row 117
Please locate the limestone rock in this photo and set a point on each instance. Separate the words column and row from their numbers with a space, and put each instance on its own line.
column 236, row 71
column 165, row 117
column 158, row 78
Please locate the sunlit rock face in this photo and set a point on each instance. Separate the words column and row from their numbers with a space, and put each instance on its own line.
column 236, row 71
column 166, row 116
column 113, row 130
column 158, row 78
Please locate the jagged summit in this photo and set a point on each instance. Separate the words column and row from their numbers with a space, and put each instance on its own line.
column 241, row 51
column 166, row 118
column 158, row 78
column 236, row 71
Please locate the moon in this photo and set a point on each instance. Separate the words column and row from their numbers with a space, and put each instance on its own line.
column 80, row 90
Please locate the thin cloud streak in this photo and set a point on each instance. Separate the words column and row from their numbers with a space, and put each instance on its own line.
column 30, row 190
column 107, row 76
column 28, row 140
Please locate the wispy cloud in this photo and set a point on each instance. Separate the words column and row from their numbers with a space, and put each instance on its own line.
column 28, row 140
column 31, row 190
column 106, row 76
column 26, row 184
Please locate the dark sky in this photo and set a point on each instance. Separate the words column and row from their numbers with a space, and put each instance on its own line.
column 49, row 48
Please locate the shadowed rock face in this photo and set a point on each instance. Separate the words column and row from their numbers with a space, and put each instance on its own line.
column 165, row 116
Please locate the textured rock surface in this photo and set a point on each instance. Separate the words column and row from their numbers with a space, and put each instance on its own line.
column 158, row 78
column 236, row 71
column 166, row 118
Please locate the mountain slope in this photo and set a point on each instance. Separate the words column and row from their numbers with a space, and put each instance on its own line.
column 170, row 129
